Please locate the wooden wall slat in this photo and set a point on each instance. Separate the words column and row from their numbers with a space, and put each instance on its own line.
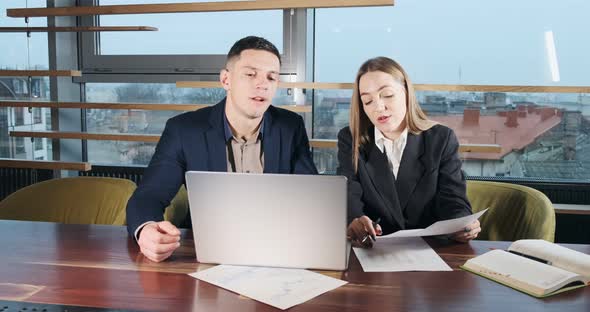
column 193, row 7
column 87, row 136
column 417, row 87
column 76, row 29
column 45, row 164
column 40, row 73
column 138, row 106
column 153, row 138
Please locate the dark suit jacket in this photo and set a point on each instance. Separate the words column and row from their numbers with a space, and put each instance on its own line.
column 196, row 141
column 430, row 185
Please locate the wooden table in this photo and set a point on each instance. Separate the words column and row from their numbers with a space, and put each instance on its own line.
column 100, row 266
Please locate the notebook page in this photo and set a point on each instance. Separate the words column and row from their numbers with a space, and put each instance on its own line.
column 558, row 256
column 521, row 272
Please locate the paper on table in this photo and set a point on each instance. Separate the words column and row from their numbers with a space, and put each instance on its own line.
column 400, row 254
column 438, row 228
column 280, row 288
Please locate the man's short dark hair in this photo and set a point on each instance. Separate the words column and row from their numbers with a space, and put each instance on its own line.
column 252, row 42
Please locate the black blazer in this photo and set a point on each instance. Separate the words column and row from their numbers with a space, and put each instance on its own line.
column 196, row 141
column 430, row 185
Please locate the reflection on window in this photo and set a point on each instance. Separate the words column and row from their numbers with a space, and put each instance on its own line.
column 331, row 111
column 37, row 115
column 19, row 147
column 17, row 88
column 19, row 116
column 39, row 144
column 326, row 160
column 120, row 153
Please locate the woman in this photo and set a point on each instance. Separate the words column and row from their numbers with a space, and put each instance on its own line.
column 403, row 169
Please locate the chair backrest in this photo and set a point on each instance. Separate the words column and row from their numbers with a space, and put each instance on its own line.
column 516, row 211
column 77, row 200
column 177, row 211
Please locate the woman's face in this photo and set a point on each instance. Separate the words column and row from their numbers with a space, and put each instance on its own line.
column 384, row 101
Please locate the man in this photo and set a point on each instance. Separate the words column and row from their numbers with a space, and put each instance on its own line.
column 242, row 133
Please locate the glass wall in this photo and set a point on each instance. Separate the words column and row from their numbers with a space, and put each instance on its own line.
column 143, row 121
column 457, row 42
column 22, row 52
column 187, row 33
column 461, row 42
column 541, row 135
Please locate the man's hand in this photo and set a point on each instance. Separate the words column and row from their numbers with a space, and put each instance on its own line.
column 157, row 241
column 470, row 232
column 362, row 231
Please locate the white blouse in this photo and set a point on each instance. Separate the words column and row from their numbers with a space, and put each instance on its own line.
column 393, row 149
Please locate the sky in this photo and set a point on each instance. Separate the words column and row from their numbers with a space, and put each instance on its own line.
column 453, row 41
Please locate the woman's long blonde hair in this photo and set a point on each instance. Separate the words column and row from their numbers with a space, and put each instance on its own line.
column 416, row 119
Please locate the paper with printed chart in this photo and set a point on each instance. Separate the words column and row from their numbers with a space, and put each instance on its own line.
column 438, row 228
column 278, row 287
column 396, row 254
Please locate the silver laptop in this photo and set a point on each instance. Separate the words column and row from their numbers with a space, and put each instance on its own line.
column 275, row 220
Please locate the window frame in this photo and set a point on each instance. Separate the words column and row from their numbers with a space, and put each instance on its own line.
column 171, row 68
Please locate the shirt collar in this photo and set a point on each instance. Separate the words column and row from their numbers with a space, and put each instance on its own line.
column 227, row 130
column 380, row 139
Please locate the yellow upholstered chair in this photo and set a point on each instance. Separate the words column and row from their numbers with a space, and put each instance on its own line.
column 77, row 200
column 516, row 211
column 177, row 211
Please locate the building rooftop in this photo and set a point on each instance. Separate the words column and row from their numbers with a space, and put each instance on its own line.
column 563, row 169
column 512, row 130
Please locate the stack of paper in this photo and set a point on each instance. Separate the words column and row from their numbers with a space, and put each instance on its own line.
column 400, row 254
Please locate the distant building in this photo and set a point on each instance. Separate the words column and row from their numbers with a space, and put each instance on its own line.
column 494, row 100
column 528, row 134
column 435, row 105
column 513, row 130
column 22, row 119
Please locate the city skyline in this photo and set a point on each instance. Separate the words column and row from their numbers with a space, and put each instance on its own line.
column 455, row 42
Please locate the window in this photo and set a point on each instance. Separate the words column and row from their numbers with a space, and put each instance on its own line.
column 20, row 148
column 461, row 42
column 39, row 144
column 38, row 115
column 458, row 41
column 188, row 33
column 142, row 121
column 21, row 52
column 19, row 116
column 185, row 44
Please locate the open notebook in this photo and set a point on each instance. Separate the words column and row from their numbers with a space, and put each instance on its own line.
column 536, row 267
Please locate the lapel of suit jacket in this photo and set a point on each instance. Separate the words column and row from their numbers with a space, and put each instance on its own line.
column 271, row 143
column 215, row 136
column 411, row 169
column 383, row 179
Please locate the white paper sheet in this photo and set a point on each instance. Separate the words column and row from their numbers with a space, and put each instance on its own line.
column 400, row 254
column 280, row 288
column 438, row 228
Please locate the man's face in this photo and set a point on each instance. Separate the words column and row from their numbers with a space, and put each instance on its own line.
column 251, row 81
